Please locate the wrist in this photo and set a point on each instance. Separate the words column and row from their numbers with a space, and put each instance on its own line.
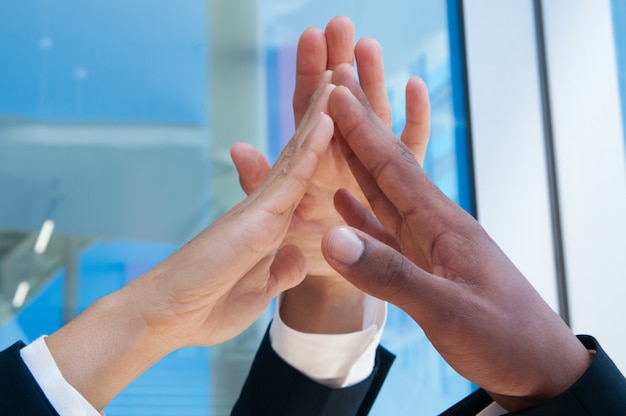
column 556, row 380
column 323, row 305
column 105, row 348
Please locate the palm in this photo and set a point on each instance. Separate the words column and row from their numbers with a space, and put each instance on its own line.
column 219, row 282
column 472, row 267
column 316, row 213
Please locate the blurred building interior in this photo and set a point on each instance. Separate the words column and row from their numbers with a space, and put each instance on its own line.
column 116, row 119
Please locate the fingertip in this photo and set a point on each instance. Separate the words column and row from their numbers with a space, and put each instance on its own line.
column 340, row 28
column 311, row 52
column 343, row 106
column 416, row 132
column 240, row 147
column 335, row 95
column 416, row 88
column 416, row 82
column 238, row 152
column 321, row 133
column 368, row 45
column 288, row 269
column 337, row 91
column 311, row 33
column 341, row 92
column 369, row 56
column 339, row 20
column 328, row 124
column 343, row 245
column 339, row 36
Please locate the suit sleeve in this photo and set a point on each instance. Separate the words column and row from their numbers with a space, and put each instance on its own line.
column 273, row 387
column 19, row 392
column 600, row 391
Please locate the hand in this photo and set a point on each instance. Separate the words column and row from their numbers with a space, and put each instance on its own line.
column 324, row 296
column 426, row 255
column 208, row 291
column 233, row 269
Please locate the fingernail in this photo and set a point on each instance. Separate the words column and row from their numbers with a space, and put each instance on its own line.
column 344, row 245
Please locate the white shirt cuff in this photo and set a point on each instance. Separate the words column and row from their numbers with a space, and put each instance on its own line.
column 65, row 399
column 494, row 409
column 334, row 360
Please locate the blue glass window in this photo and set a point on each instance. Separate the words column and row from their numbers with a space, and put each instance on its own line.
column 418, row 39
column 105, row 129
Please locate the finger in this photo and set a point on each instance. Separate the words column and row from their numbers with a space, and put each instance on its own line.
column 318, row 102
column 311, row 62
column 274, row 201
column 346, row 76
column 251, row 166
column 299, row 159
column 417, row 129
column 383, row 272
column 339, row 35
column 370, row 67
column 390, row 163
column 357, row 216
column 287, row 270
column 385, row 210
column 290, row 177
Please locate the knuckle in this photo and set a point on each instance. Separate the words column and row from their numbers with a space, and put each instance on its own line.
column 394, row 274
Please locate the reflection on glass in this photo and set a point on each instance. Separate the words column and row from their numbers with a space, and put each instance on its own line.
column 115, row 121
column 619, row 26
column 418, row 39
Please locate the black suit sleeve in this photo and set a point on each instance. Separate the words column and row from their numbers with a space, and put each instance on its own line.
column 600, row 391
column 19, row 392
column 275, row 388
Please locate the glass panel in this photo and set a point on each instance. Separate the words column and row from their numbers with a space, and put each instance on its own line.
column 115, row 121
column 418, row 38
column 104, row 135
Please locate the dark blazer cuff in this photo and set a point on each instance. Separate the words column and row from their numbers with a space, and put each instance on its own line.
column 273, row 387
column 601, row 391
column 20, row 393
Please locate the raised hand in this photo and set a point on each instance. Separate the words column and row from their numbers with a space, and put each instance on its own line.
column 208, row 291
column 425, row 254
column 317, row 52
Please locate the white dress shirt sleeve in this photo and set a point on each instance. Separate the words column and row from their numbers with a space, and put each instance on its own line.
column 494, row 409
column 334, row 360
column 65, row 399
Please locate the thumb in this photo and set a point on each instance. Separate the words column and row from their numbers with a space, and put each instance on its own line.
column 287, row 270
column 381, row 271
column 251, row 166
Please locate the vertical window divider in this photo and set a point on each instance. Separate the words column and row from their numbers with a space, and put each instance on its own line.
column 555, row 209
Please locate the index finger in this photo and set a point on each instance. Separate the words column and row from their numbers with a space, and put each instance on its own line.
column 389, row 162
column 298, row 160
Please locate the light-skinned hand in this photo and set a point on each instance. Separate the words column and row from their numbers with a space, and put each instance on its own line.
column 208, row 291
